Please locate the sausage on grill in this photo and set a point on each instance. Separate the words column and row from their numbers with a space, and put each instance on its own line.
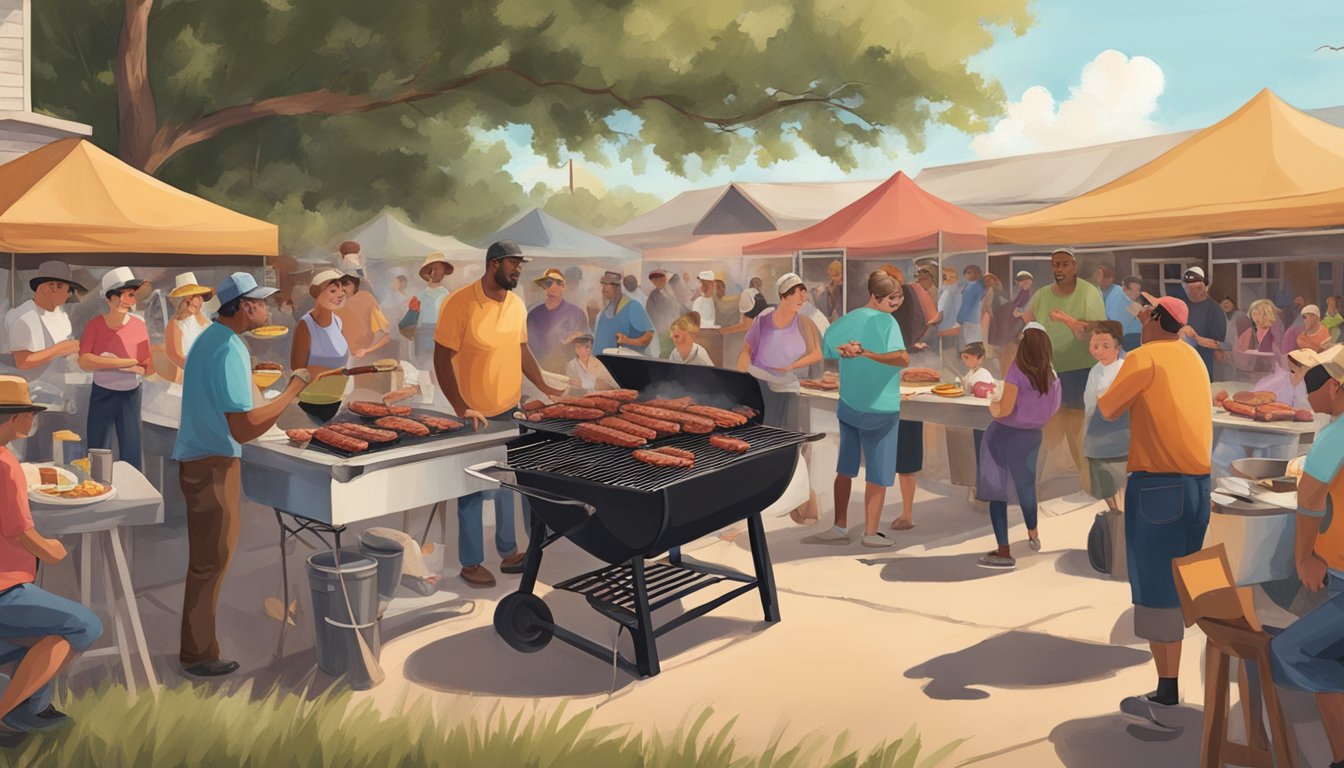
column 367, row 434
column 402, row 424
column 609, row 406
column 606, row 403
column 721, row 417
column 746, row 410
column 300, row 435
column 662, row 427
column 594, row 433
column 533, row 405
column 661, row 459
column 571, row 412
column 675, row 404
column 620, row 395
column 920, row 374
column 678, row 452
column 616, row 422
column 727, row 443
column 696, row 425
column 340, row 441
column 370, row 409
column 440, row 424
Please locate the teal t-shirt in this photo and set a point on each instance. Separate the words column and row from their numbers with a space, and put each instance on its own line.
column 1070, row 354
column 217, row 380
column 867, row 385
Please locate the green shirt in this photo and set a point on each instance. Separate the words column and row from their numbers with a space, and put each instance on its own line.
column 867, row 385
column 1085, row 304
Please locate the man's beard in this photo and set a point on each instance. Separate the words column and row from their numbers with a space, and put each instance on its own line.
column 503, row 280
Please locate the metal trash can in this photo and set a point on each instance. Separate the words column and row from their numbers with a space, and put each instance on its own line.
column 338, row 650
column 388, row 555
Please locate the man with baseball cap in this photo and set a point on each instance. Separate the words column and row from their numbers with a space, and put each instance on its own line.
column 622, row 323
column 41, row 340
column 115, row 348
column 218, row 415
column 1307, row 655
column 553, row 321
column 704, row 304
column 481, row 356
column 1207, row 327
column 1163, row 387
column 1314, row 335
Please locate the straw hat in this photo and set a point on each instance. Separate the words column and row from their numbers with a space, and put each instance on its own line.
column 14, row 397
column 435, row 258
column 185, row 285
column 321, row 279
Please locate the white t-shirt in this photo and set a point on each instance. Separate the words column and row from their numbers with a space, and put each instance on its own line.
column 704, row 305
column 698, row 356
column 971, row 378
column 25, row 325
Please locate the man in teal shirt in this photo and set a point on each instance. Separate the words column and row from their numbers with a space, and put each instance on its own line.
column 622, row 322
column 871, row 351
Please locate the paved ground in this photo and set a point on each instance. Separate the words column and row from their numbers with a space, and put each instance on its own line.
column 1026, row 666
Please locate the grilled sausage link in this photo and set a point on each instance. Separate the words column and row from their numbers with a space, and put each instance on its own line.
column 606, row 403
column 533, row 405
column 697, row 425
column 1267, row 407
column 590, row 402
column 721, row 417
column 340, row 441
column 594, row 433
column 616, row 422
column 300, row 435
column 1220, row 397
column 571, row 412
column 674, row 404
column 370, row 409
column 663, row 428
column 920, row 374
column 440, row 424
column 1239, row 408
column 402, row 424
column 727, row 443
column 746, row 410
column 1273, row 415
column 678, row 452
column 660, row 459
column 367, row 434
column 619, row 395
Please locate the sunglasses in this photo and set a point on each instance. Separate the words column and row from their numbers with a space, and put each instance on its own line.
column 548, row 282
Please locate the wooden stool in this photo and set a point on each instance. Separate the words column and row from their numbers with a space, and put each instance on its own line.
column 1226, row 614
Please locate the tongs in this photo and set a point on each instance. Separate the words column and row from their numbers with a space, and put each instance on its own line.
column 381, row 366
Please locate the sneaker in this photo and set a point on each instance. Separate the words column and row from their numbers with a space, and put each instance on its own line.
column 877, row 541
column 212, row 668
column 1035, row 544
column 23, row 720
column 513, row 563
column 11, row 739
column 1145, row 708
column 996, row 561
column 477, row 576
column 832, row 536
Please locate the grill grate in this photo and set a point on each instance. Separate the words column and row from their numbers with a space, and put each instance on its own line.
column 613, row 465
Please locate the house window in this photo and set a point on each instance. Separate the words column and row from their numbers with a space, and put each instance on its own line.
column 1325, row 282
column 1161, row 278
column 1260, row 280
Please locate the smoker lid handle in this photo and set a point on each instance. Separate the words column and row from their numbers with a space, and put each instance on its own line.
column 483, row 472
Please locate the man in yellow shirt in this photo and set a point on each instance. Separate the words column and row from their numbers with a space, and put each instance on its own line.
column 480, row 358
column 1164, row 387
column 1309, row 654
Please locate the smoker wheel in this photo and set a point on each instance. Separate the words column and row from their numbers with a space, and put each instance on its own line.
column 524, row 621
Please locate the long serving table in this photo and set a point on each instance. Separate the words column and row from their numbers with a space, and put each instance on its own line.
column 311, row 490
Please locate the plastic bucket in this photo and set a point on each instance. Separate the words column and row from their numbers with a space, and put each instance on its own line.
column 388, row 555
column 334, row 626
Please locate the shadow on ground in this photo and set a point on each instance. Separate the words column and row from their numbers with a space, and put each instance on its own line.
column 1074, row 562
column 1020, row 659
column 1117, row 741
column 937, row 568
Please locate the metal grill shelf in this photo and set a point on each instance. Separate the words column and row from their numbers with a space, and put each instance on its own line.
column 613, row 465
column 666, row 584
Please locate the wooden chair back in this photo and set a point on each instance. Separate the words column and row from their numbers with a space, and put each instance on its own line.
column 1207, row 590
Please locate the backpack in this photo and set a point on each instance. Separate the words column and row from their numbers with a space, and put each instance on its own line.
column 1099, row 548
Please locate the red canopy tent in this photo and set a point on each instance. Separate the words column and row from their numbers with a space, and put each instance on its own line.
column 897, row 219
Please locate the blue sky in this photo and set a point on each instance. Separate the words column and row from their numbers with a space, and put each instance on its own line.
column 1184, row 65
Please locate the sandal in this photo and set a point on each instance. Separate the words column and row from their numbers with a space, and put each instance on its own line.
column 796, row 516
column 901, row 525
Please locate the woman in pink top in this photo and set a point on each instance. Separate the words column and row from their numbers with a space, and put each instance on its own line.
column 115, row 347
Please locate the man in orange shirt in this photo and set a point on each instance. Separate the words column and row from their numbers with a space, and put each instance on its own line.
column 41, row 631
column 1164, row 387
column 480, row 357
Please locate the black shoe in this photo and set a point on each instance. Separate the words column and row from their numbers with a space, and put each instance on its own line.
column 23, row 720
column 212, row 668
column 10, row 739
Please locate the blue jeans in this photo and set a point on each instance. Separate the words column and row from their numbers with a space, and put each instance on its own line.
column 1166, row 516
column 29, row 612
column 113, row 409
column 471, row 528
column 1309, row 654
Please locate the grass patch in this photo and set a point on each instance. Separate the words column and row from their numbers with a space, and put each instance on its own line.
column 200, row 726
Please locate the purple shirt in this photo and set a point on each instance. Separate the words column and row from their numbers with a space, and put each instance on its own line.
column 773, row 348
column 547, row 330
column 1032, row 409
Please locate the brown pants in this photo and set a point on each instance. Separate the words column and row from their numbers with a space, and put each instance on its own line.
column 212, row 487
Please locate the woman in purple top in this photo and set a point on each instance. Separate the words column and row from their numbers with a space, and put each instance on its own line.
column 1031, row 395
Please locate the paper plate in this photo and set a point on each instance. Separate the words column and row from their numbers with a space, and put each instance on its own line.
column 36, row 496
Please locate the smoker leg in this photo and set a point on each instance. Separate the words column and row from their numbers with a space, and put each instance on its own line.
column 284, row 588
column 646, row 650
column 532, row 560
column 765, row 573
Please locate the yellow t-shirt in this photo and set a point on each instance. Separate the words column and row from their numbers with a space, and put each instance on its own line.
column 1165, row 387
column 487, row 336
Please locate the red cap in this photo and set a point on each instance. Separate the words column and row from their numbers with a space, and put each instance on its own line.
column 1176, row 308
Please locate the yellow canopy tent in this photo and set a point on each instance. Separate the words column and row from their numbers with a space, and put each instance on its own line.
column 1267, row 166
column 72, row 197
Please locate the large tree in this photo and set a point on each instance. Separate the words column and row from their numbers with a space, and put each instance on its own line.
column 321, row 108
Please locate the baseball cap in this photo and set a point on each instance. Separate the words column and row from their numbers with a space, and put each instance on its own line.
column 657, row 273
column 1065, row 250
column 244, row 285
column 1179, row 311
column 610, row 278
column 706, row 275
column 1031, row 325
column 1194, row 274
column 551, row 274
column 119, row 279
column 505, row 249
column 1023, row 275
column 1311, row 309
column 787, row 282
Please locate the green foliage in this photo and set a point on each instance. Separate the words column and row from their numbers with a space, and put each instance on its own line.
column 869, row 68
column 202, row 726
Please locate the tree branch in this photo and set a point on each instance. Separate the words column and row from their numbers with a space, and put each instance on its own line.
column 173, row 138
column 137, row 117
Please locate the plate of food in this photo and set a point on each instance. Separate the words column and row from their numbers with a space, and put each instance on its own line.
column 266, row 374
column 269, row 332
column 60, row 487
column 948, row 390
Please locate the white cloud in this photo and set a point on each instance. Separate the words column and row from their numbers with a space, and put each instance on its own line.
column 1114, row 100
